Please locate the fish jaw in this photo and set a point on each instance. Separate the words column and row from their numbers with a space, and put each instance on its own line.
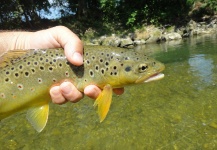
column 155, row 77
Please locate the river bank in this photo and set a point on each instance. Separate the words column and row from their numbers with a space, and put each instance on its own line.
column 152, row 34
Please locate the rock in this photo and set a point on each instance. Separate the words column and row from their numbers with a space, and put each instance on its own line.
column 191, row 25
column 154, row 36
column 139, row 42
column 110, row 41
column 172, row 36
column 125, row 42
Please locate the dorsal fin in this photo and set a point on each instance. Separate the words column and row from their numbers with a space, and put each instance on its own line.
column 13, row 56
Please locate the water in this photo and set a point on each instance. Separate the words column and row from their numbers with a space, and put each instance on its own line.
column 178, row 112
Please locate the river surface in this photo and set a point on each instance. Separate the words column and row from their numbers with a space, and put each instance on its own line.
column 177, row 112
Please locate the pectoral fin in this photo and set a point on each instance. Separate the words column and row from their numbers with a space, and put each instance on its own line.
column 104, row 101
column 38, row 116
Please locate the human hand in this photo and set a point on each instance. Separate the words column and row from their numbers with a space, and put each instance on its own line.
column 61, row 36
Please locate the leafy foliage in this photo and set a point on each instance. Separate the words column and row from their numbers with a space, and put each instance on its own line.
column 99, row 15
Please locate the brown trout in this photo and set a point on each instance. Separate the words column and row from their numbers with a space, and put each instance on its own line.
column 27, row 75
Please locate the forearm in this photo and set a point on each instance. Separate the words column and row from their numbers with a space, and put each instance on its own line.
column 13, row 40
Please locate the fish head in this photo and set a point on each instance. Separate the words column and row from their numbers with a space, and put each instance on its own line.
column 136, row 68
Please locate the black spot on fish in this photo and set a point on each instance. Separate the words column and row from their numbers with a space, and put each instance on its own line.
column 86, row 54
column 115, row 73
column 41, row 68
column 101, row 60
column 7, row 72
column 50, row 68
column 88, row 62
column 16, row 74
column 20, row 86
column 33, row 70
column 97, row 67
column 12, row 68
column 28, row 63
column 60, row 65
column 54, row 60
column 21, row 67
column 36, row 63
column 39, row 80
column 102, row 71
column 115, row 67
column 6, row 79
column 91, row 73
column 111, row 73
column 46, row 60
column 128, row 68
column 26, row 74
column 41, row 59
column 106, row 63
column 2, row 95
column 67, row 74
column 93, row 57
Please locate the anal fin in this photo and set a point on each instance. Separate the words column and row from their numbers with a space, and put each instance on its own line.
column 103, row 101
column 38, row 116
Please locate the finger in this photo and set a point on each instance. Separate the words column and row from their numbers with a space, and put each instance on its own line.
column 92, row 91
column 118, row 91
column 70, row 92
column 72, row 45
column 56, row 95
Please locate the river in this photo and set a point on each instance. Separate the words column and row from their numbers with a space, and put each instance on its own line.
column 177, row 112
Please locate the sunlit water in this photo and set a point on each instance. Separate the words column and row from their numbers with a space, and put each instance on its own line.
column 178, row 112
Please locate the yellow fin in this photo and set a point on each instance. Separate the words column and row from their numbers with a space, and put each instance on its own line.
column 38, row 117
column 104, row 101
column 12, row 55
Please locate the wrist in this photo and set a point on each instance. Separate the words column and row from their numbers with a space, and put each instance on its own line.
column 14, row 40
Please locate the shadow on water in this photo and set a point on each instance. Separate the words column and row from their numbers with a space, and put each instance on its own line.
column 178, row 112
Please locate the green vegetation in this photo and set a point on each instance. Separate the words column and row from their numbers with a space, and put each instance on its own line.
column 101, row 16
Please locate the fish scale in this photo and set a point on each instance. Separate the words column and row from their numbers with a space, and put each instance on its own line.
column 27, row 75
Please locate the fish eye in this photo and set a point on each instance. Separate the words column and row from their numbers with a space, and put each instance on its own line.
column 143, row 67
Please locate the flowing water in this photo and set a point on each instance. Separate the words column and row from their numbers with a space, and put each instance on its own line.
column 178, row 112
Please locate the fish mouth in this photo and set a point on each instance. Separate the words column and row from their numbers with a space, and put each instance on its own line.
column 155, row 77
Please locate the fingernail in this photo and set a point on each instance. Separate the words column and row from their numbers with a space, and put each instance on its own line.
column 77, row 57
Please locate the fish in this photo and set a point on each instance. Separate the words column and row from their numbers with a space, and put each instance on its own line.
column 27, row 75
